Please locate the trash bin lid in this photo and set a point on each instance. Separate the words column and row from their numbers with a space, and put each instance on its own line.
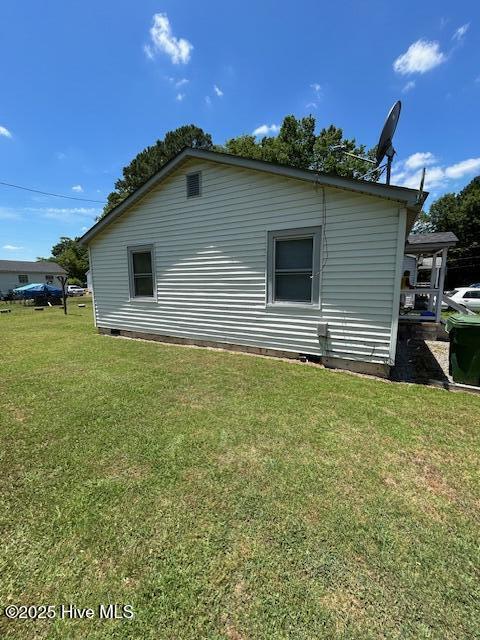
column 462, row 320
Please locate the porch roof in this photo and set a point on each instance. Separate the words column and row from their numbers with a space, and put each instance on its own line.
column 430, row 242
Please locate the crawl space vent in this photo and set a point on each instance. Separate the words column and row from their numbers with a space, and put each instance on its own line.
column 193, row 185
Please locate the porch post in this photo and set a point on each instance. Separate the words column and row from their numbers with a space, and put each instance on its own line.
column 433, row 280
column 441, row 280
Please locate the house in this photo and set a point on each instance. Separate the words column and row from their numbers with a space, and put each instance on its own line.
column 15, row 273
column 88, row 275
column 426, row 262
column 225, row 251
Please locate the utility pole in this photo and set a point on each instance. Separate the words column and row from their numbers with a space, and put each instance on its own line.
column 63, row 282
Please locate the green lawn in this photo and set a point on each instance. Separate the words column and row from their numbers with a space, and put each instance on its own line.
column 229, row 496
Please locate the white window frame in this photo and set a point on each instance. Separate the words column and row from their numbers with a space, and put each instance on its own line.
column 143, row 248
column 294, row 234
column 23, row 275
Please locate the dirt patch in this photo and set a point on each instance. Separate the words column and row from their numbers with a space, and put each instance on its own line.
column 122, row 469
column 429, row 476
column 345, row 606
column 243, row 456
column 232, row 633
column 18, row 414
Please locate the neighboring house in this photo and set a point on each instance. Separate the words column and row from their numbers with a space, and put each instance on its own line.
column 88, row 275
column 15, row 273
column 221, row 250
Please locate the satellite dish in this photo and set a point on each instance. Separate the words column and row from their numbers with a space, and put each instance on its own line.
column 385, row 146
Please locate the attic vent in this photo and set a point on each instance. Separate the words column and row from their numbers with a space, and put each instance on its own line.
column 193, row 185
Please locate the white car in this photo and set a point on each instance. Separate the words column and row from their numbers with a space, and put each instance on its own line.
column 468, row 296
column 75, row 290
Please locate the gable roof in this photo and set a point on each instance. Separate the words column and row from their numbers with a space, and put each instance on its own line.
column 23, row 266
column 410, row 198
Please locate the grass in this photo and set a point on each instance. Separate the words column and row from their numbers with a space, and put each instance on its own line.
column 226, row 496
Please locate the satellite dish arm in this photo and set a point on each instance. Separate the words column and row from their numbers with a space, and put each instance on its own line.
column 390, row 152
column 420, row 188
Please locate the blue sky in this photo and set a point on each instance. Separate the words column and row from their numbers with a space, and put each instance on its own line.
column 86, row 85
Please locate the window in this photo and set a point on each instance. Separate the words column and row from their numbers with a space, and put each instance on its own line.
column 472, row 294
column 293, row 272
column 142, row 280
column 23, row 279
column 193, row 184
column 49, row 279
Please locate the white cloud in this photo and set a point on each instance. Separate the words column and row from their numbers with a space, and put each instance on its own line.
column 409, row 172
column 11, row 247
column 408, row 86
column 218, row 91
column 6, row 214
column 420, row 57
column 316, row 87
column 420, row 159
column 148, row 51
column 179, row 97
column 66, row 214
column 461, row 169
column 265, row 129
column 178, row 49
column 460, row 32
column 311, row 105
column 77, row 188
column 5, row 132
column 208, row 101
column 59, row 155
column 177, row 82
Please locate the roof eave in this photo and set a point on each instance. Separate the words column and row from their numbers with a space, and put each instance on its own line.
column 406, row 197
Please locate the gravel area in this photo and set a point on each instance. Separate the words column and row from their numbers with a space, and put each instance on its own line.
column 422, row 362
column 440, row 351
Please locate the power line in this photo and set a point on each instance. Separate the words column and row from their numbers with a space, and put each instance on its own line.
column 46, row 193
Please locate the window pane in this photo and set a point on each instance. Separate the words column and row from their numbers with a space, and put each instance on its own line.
column 143, row 285
column 294, row 253
column 294, row 287
column 142, row 262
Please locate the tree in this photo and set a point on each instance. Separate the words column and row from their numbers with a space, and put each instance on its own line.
column 72, row 256
column 297, row 145
column 460, row 213
column 150, row 160
column 329, row 160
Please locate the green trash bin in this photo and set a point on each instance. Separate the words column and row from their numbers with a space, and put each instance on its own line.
column 464, row 362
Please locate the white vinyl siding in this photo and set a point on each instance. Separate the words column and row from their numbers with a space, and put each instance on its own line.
column 210, row 257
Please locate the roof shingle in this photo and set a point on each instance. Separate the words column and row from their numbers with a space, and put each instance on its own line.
column 23, row 266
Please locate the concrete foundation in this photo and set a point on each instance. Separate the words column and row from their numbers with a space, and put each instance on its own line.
column 419, row 330
column 369, row 368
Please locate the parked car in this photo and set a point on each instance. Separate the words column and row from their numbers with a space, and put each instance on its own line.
column 75, row 290
column 475, row 285
column 468, row 296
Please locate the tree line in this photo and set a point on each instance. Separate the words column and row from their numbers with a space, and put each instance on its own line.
column 296, row 145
